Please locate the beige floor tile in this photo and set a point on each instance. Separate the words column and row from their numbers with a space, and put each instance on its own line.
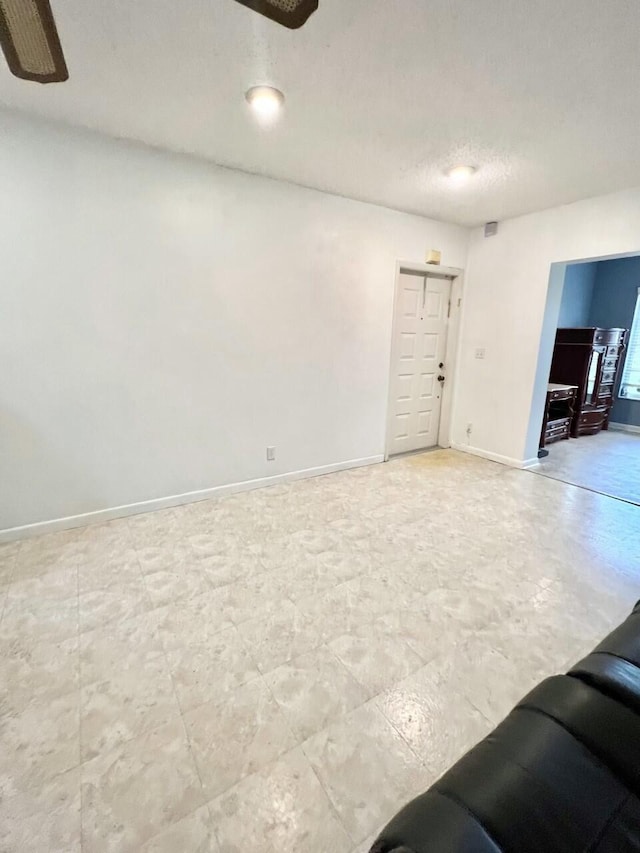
column 277, row 638
column 425, row 631
column 104, row 543
column 236, row 736
column 375, row 658
column 118, row 602
column 192, row 621
column 470, row 608
column 8, row 557
column 278, row 552
column 367, row 844
column 165, row 587
column 108, row 567
column 307, row 577
column 225, row 558
column 176, row 557
column 313, row 690
column 317, row 540
column 155, row 529
column 352, row 757
column 28, row 623
column 215, row 543
column 38, row 743
column 348, row 562
column 119, row 645
column 211, row 670
column 489, row 680
column 34, row 674
column 254, row 596
column 45, row 819
column 193, row 834
column 4, row 590
column 44, row 554
column 224, row 569
column 440, row 725
column 127, row 704
column 538, row 640
column 335, row 613
column 280, row 808
column 137, row 791
column 56, row 585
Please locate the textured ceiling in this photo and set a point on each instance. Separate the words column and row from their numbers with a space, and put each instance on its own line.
column 382, row 95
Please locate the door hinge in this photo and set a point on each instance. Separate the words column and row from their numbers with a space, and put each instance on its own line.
column 449, row 310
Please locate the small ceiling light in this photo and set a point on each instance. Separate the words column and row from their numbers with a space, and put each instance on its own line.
column 460, row 174
column 265, row 101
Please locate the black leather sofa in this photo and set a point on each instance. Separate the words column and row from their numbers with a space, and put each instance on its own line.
column 561, row 774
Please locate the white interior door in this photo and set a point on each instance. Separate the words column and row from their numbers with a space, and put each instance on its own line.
column 419, row 347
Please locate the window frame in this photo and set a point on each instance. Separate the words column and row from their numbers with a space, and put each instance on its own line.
column 630, row 390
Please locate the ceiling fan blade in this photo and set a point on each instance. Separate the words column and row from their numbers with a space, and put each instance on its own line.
column 290, row 13
column 30, row 41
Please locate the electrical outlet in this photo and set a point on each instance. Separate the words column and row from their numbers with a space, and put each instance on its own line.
column 480, row 352
column 271, row 454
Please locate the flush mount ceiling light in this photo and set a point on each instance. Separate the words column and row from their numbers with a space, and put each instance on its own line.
column 30, row 41
column 265, row 101
column 460, row 174
column 289, row 13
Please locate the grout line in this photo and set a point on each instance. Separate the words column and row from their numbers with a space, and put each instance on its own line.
column 177, row 700
column 165, row 654
column 326, row 793
column 80, row 740
column 299, row 745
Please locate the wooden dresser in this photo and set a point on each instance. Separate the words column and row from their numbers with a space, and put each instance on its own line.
column 589, row 358
column 558, row 413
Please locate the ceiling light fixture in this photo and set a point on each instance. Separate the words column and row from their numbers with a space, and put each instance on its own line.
column 30, row 41
column 460, row 174
column 265, row 101
column 289, row 13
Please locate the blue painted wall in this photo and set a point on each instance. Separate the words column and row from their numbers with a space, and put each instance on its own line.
column 612, row 305
column 603, row 294
column 577, row 295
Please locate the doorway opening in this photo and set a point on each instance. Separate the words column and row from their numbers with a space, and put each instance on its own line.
column 426, row 318
column 588, row 412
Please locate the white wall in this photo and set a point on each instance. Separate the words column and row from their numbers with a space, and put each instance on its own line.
column 163, row 320
column 507, row 292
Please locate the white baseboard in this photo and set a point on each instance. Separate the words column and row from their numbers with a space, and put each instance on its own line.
column 512, row 462
column 632, row 428
column 10, row 534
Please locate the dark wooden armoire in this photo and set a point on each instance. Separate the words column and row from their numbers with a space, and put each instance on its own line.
column 591, row 359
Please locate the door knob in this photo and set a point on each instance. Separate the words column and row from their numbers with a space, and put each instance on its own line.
column 441, row 378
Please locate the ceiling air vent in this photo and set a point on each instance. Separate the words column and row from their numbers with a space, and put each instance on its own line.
column 30, row 41
column 290, row 13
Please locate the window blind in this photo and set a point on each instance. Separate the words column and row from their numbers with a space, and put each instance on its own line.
column 630, row 384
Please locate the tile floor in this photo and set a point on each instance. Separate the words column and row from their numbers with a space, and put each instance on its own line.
column 608, row 462
column 281, row 670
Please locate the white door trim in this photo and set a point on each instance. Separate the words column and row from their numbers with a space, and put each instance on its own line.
column 453, row 341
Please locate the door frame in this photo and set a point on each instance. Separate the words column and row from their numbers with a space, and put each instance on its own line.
column 454, row 323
